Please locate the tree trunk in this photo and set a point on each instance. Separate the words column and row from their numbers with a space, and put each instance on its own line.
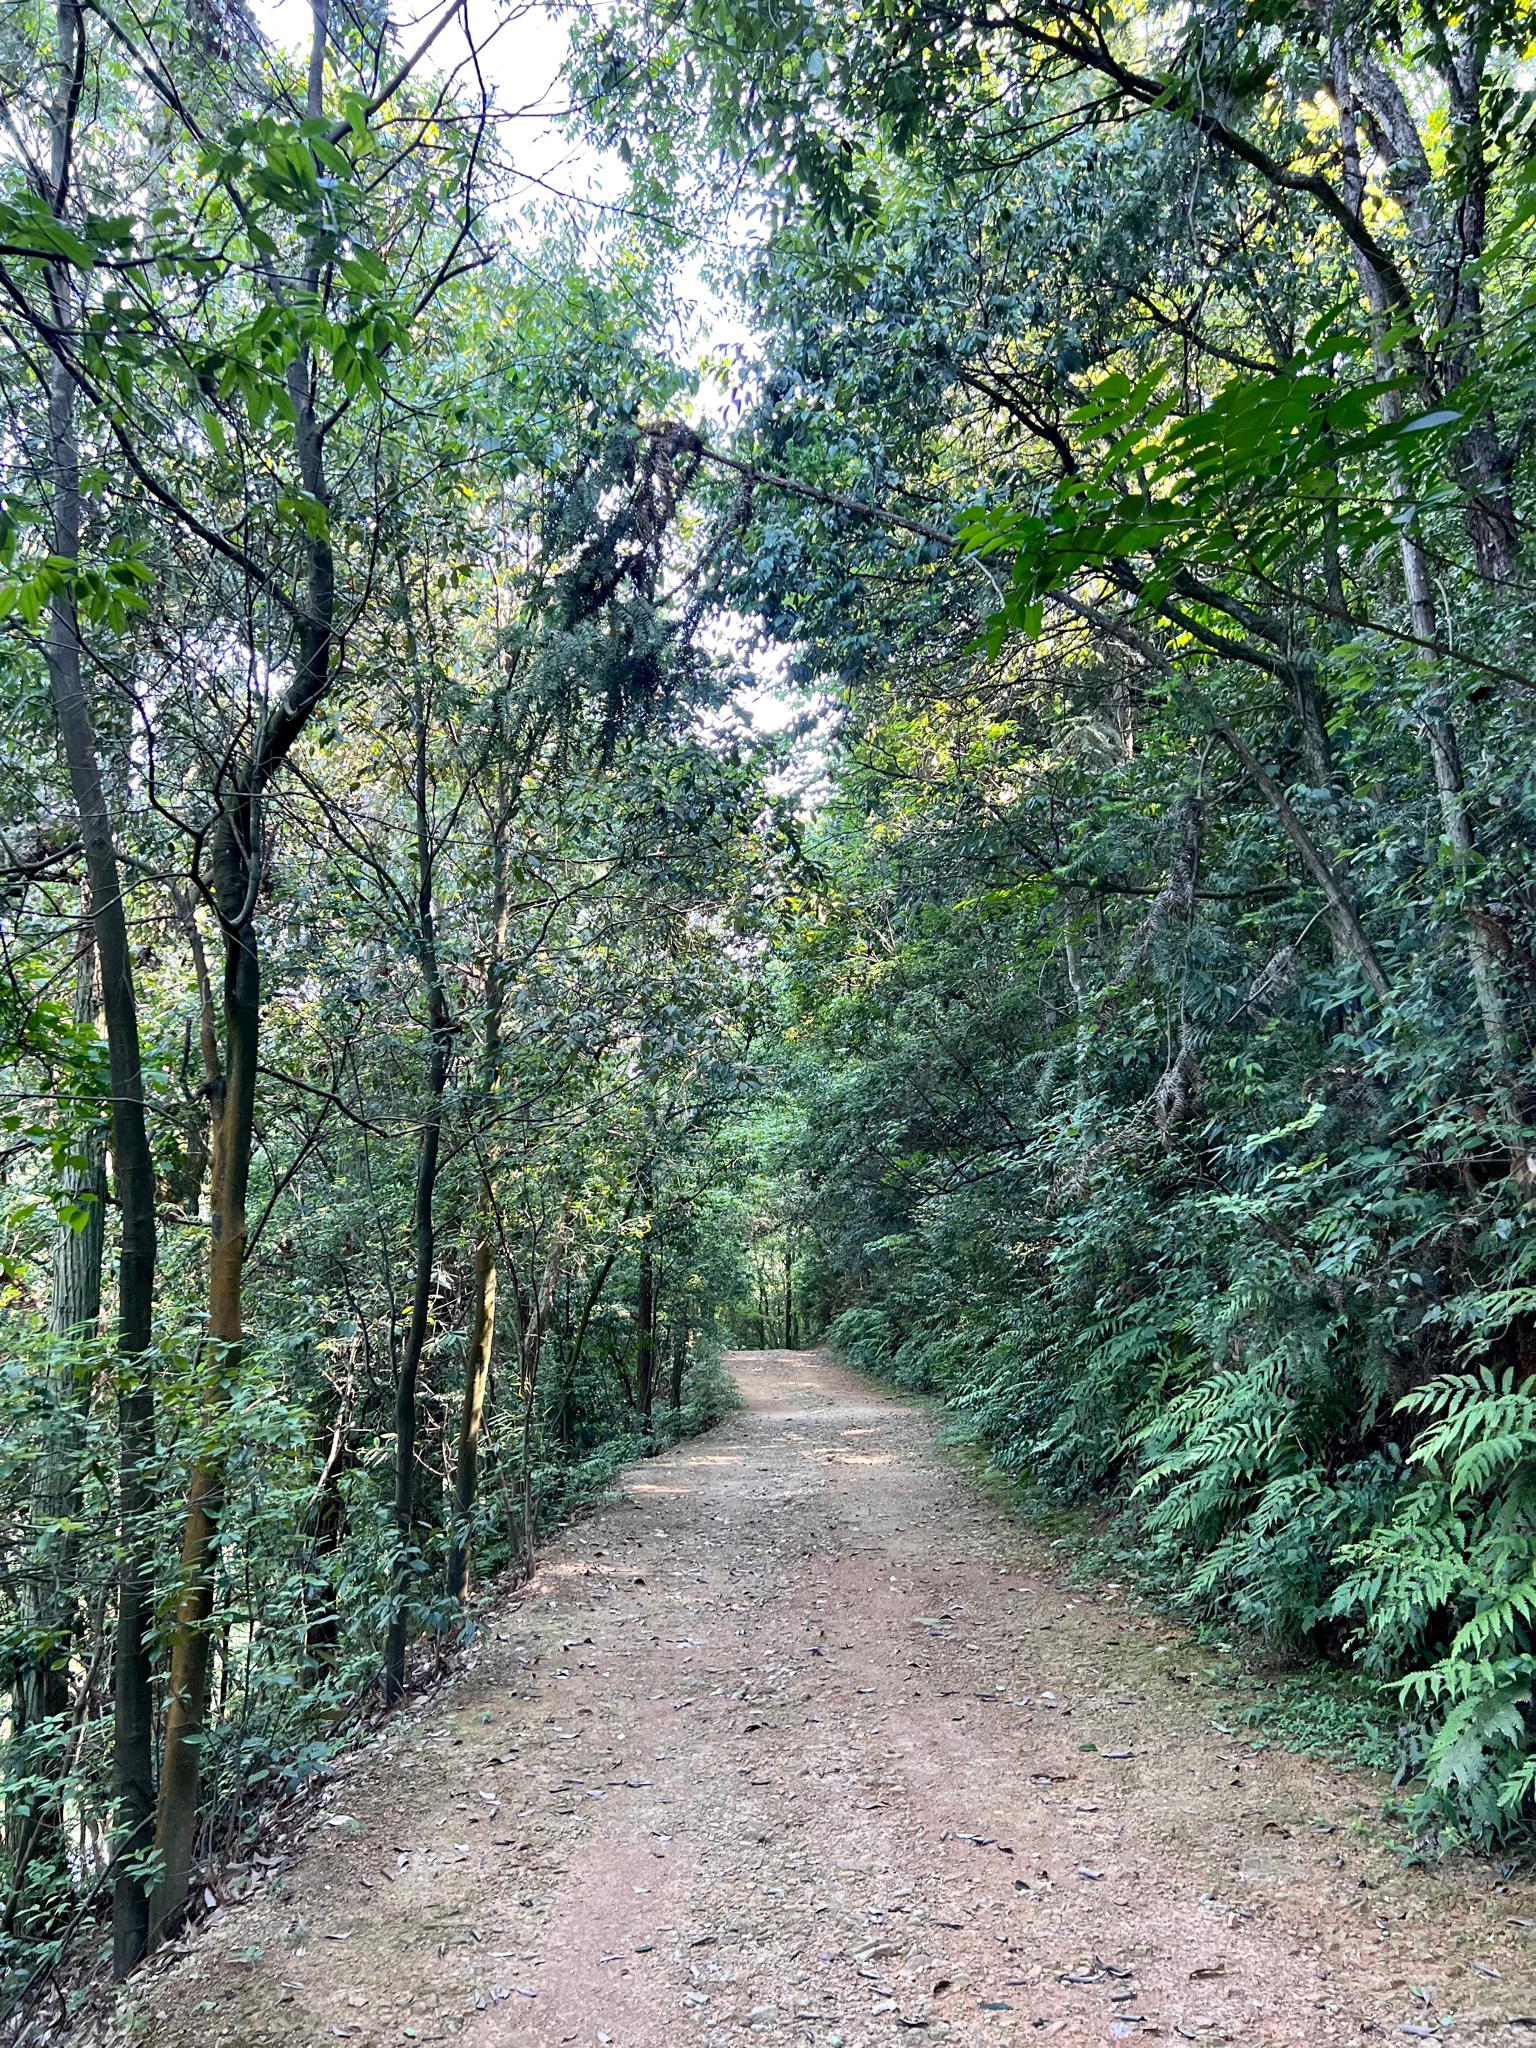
column 234, row 1093
column 1316, row 749
column 133, row 1171
column 48, row 1601
column 1451, row 260
column 477, row 1368
column 645, row 1319
column 410, row 1372
column 679, row 1363
column 1347, row 921
column 439, row 1048
column 237, row 857
column 327, row 1524
column 789, row 1293
column 1450, row 786
column 530, row 1350
column 482, row 1333
column 1439, row 731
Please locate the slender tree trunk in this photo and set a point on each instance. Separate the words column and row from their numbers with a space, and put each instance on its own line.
column 679, row 1363
column 327, row 1525
column 1450, row 250
column 477, row 1367
column 645, row 1319
column 1434, row 710
column 789, row 1293
column 482, row 1333
column 75, row 1296
column 594, row 1296
column 1450, row 785
column 1334, row 895
column 533, row 1321
column 48, row 1601
column 1316, row 748
column 237, row 858
column 233, row 1093
column 439, row 1047
column 133, row 1172
column 410, row 1371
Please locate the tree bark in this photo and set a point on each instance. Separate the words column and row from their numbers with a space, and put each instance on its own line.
column 439, row 1049
column 645, row 1321
column 482, row 1332
column 477, row 1367
column 1342, row 908
column 133, row 1171
column 530, row 1350
column 1450, row 787
column 327, row 1526
column 1434, row 712
column 1449, row 246
column 233, row 1093
column 48, row 1601
column 1316, row 749
column 237, row 859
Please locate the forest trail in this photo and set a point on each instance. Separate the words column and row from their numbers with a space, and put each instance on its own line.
column 775, row 1748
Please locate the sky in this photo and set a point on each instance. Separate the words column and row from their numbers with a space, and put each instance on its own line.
column 521, row 48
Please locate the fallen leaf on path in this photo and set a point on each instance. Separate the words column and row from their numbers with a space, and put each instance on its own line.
column 1208, row 1970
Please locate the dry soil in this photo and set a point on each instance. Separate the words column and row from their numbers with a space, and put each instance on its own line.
column 804, row 1739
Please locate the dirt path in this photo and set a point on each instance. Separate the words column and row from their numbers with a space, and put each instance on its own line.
column 774, row 1748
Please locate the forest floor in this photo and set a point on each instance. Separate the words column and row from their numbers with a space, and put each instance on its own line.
column 805, row 1739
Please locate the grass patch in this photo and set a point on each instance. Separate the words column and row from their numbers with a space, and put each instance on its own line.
column 1325, row 1713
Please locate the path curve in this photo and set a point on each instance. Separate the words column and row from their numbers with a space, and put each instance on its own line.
column 804, row 1740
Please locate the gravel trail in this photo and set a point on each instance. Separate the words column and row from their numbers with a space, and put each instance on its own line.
column 804, row 1740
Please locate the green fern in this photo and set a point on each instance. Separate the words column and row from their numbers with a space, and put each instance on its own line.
column 1447, row 1587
